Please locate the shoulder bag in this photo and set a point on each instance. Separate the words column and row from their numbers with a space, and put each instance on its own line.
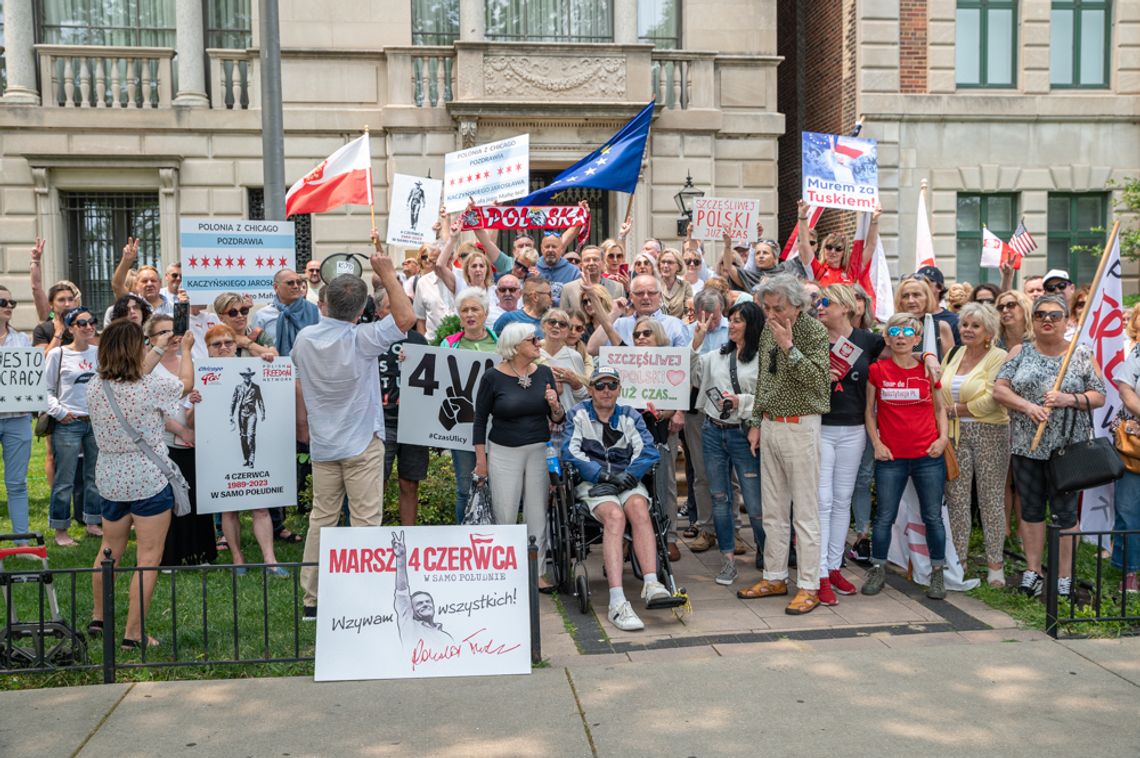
column 177, row 482
column 949, row 455
column 1127, row 437
column 45, row 422
column 1085, row 463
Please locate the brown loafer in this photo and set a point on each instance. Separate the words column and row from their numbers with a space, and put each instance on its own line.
column 674, row 552
column 805, row 601
column 704, row 541
column 763, row 588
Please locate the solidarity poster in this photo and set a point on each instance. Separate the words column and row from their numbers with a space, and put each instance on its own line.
column 22, row 386
column 222, row 255
column 413, row 209
column 713, row 215
column 489, row 173
column 422, row 601
column 659, row 376
column 244, row 432
column 840, row 172
column 437, row 395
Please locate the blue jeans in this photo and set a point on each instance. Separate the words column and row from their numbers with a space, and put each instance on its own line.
column 66, row 442
column 861, row 500
column 929, row 477
column 725, row 450
column 463, row 461
column 16, row 439
column 1127, row 505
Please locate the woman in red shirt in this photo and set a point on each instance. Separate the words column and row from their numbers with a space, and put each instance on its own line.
column 835, row 263
column 907, row 426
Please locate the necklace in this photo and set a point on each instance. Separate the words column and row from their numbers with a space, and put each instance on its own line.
column 524, row 379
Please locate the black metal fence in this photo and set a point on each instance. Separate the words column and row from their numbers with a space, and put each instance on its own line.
column 1107, row 600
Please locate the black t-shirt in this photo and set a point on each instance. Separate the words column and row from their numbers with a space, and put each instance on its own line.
column 849, row 394
column 521, row 415
column 390, row 372
column 44, row 331
column 951, row 318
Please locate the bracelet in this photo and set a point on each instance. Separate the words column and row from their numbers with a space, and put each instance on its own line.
column 159, row 350
column 802, row 218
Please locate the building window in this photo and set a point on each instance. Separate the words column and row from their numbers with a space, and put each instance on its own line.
column 550, row 20
column 303, row 225
column 998, row 213
column 1079, row 31
column 985, row 52
column 1076, row 233
column 119, row 23
column 229, row 25
column 435, row 22
column 98, row 224
column 659, row 23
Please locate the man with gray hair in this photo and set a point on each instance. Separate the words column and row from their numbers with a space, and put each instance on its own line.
column 339, row 411
column 793, row 390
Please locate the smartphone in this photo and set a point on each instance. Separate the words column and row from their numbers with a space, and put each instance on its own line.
column 181, row 318
column 716, row 397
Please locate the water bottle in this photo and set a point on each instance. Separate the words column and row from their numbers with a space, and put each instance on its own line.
column 553, row 464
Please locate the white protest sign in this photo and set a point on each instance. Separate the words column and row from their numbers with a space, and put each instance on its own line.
column 223, row 255
column 659, row 376
column 422, row 601
column 244, row 432
column 437, row 395
column 840, row 172
column 712, row 215
column 22, row 386
column 413, row 209
column 489, row 173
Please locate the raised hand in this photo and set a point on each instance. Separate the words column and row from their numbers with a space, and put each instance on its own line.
column 398, row 547
column 626, row 226
column 551, row 397
column 131, row 249
column 38, row 250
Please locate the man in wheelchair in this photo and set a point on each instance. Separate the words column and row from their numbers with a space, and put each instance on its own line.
column 611, row 449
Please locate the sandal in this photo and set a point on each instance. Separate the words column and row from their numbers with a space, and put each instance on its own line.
column 95, row 628
column 287, row 536
column 691, row 533
column 128, row 644
column 221, row 545
column 803, row 602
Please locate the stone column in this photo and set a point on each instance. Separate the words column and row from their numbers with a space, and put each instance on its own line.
column 20, row 55
column 472, row 22
column 625, row 22
column 190, row 40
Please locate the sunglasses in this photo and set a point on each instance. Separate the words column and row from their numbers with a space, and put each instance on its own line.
column 1079, row 304
column 293, row 282
column 1059, row 286
column 832, row 247
column 222, row 343
column 87, row 322
column 507, row 289
column 159, row 333
column 535, row 341
column 575, row 261
column 557, row 322
column 613, row 256
column 813, row 243
column 7, row 303
column 1048, row 315
column 1006, row 307
column 234, row 312
column 823, row 302
column 692, row 261
column 175, row 276
column 985, row 301
column 577, row 328
column 647, row 293
column 643, row 334
column 607, row 386
column 901, row 331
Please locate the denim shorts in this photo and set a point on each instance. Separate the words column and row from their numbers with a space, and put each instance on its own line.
column 113, row 510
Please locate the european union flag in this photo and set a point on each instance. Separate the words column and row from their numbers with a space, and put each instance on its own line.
column 614, row 166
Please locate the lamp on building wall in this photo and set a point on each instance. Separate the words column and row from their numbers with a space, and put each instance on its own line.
column 684, row 200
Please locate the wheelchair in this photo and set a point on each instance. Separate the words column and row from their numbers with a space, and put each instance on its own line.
column 573, row 530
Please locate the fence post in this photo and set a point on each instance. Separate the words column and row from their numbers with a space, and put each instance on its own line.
column 1052, row 567
column 107, row 568
column 535, row 632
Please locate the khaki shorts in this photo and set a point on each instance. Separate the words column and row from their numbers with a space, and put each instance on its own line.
column 593, row 502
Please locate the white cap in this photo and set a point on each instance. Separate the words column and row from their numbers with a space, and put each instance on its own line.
column 1057, row 273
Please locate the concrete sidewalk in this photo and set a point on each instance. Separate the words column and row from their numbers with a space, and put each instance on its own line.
column 992, row 693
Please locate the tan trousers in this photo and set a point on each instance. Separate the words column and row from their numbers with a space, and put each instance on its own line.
column 789, row 483
column 358, row 477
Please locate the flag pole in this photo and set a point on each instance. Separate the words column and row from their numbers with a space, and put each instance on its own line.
column 1080, row 328
column 629, row 204
column 371, row 199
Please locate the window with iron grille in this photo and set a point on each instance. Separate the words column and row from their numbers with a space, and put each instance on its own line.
column 119, row 23
column 550, row 20
column 435, row 22
column 303, row 225
column 98, row 224
column 228, row 24
column 599, row 201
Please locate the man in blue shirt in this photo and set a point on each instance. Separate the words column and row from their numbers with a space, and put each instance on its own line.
column 553, row 268
column 645, row 292
column 536, row 302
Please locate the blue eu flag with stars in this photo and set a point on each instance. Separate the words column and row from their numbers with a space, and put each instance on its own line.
column 613, row 166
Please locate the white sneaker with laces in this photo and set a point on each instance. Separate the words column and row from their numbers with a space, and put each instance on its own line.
column 654, row 591
column 624, row 618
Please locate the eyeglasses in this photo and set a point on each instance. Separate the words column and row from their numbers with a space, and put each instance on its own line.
column 507, row 289
column 292, row 282
column 86, row 322
column 574, row 261
column 535, row 341
column 900, row 331
column 607, row 386
column 692, row 261
column 1079, row 304
column 643, row 334
column 222, row 343
column 577, row 328
column 557, row 322
column 1048, row 315
column 156, row 334
column 613, row 256
column 1006, row 307
column 463, row 256
column 985, row 300
column 1057, row 286
column 823, row 302
column 234, row 312
column 173, row 275
column 832, row 247
column 7, row 303
column 646, row 293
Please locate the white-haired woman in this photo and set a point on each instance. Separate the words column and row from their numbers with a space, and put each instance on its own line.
column 979, row 431
column 564, row 361
column 519, row 395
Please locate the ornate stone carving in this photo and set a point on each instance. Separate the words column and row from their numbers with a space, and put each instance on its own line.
column 593, row 77
column 468, row 127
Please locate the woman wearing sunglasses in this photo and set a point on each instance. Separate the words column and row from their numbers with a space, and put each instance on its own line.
column 67, row 372
column 15, row 428
column 833, row 262
column 233, row 310
column 1025, row 386
column 674, row 290
column 906, row 422
column 564, row 361
column 1015, row 314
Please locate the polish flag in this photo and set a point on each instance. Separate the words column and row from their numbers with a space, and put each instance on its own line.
column 874, row 277
column 923, row 239
column 994, row 251
column 344, row 178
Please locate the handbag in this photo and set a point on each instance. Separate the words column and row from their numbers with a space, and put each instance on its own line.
column 479, row 511
column 1127, row 439
column 1085, row 463
column 178, row 482
column 952, row 470
column 45, row 422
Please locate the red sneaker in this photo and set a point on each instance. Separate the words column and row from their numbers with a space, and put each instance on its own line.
column 839, row 583
column 826, row 596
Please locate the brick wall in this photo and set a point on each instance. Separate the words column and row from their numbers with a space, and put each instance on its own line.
column 912, row 46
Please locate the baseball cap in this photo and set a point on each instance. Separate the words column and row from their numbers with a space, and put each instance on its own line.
column 933, row 273
column 605, row 372
column 1057, row 273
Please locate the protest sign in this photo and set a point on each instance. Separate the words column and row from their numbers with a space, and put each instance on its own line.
column 840, row 172
column 525, row 217
column 711, row 216
column 422, row 601
column 659, row 376
column 489, row 173
column 244, row 434
column 220, row 255
column 844, row 354
column 413, row 209
column 22, row 386
column 437, row 395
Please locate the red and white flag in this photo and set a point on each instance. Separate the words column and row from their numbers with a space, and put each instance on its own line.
column 994, row 251
column 923, row 240
column 874, row 277
column 344, row 178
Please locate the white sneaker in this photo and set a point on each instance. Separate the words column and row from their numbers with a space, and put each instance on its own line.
column 654, row 591
column 625, row 619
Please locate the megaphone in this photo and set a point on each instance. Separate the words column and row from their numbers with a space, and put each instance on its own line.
column 341, row 263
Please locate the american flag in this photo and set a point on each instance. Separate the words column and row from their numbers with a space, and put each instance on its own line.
column 1022, row 241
